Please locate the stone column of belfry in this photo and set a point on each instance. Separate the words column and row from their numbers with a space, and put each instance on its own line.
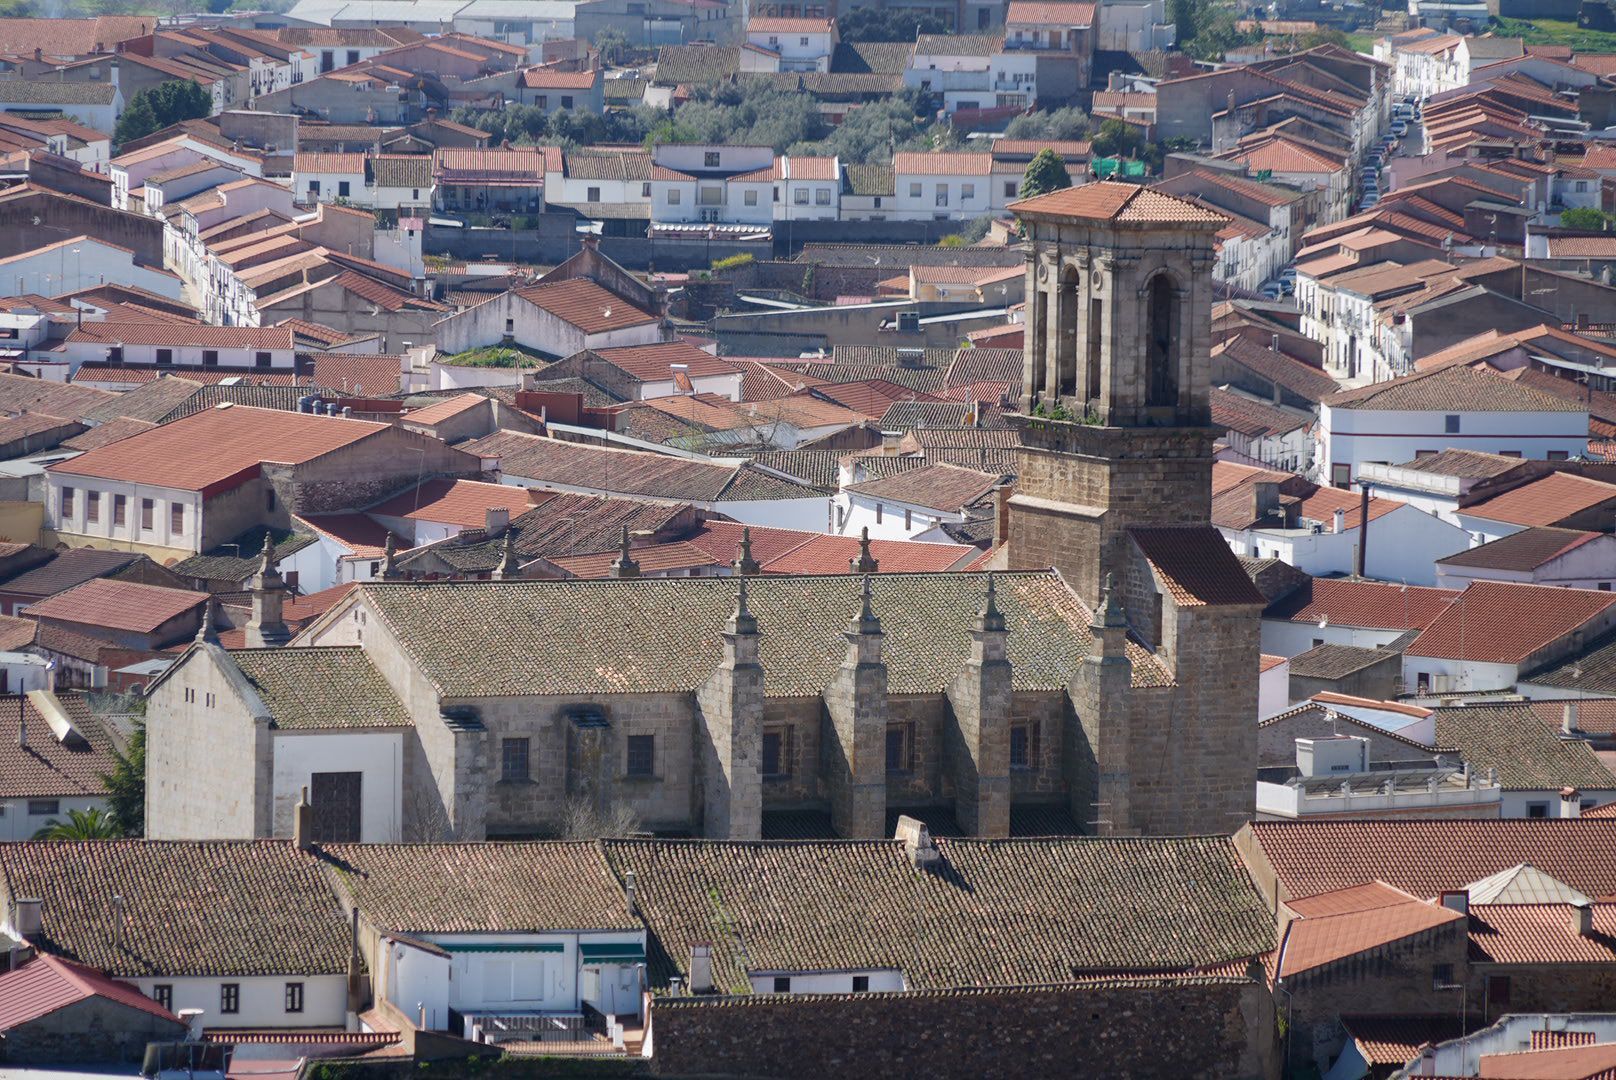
column 730, row 715
column 980, row 702
column 856, row 702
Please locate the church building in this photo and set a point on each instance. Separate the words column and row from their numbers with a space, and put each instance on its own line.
column 1101, row 680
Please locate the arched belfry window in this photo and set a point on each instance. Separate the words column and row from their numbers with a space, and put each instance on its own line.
column 1162, row 343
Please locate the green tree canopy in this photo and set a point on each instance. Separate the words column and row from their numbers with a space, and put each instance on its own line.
column 882, row 24
column 137, row 120
column 1045, row 173
column 1584, row 217
column 155, row 109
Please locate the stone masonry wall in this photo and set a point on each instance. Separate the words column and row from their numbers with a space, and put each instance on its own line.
column 1221, row 1028
column 91, row 1031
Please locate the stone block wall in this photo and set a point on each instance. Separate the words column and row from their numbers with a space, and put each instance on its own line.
column 93, row 1031
column 1212, row 1028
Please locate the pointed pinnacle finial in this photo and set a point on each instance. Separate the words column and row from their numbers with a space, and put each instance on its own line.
column 866, row 562
column 742, row 621
column 266, row 558
column 1110, row 611
column 990, row 618
column 746, row 541
column 204, row 631
column 389, row 551
column 744, row 563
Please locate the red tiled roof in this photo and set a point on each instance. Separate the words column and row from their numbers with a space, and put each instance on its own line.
column 49, row 767
column 48, row 983
column 824, row 554
column 1396, row 1040
column 586, row 305
column 1540, row 934
column 1503, row 622
column 183, row 333
column 1336, row 925
column 1367, row 604
column 777, row 25
column 1545, row 501
column 444, row 409
column 1049, row 13
column 365, row 537
column 353, row 373
column 454, row 502
column 1269, row 663
column 540, row 79
column 654, row 558
column 957, row 163
column 1426, row 857
column 215, row 445
column 650, row 363
column 1108, row 200
column 117, row 605
column 937, row 487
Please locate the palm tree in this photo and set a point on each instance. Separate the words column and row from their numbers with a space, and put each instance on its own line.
column 82, row 825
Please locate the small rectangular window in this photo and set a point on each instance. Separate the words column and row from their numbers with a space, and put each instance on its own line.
column 942, row 195
column 163, row 994
column 230, row 997
column 1509, row 453
column 210, row 357
column 822, row 197
column 146, row 509
column 1450, row 424
column 44, row 807
column 914, row 191
column 314, row 188
column 566, row 101
column 165, row 356
column 294, row 997
column 67, row 502
column 861, row 984
column 782, row 984
column 343, row 189
column 710, row 159
column 967, row 191
column 594, row 194
column 749, row 198
column 641, row 755
column 176, row 517
column 1559, row 455
column 1009, row 189
column 262, row 359
column 800, row 197
column 1025, row 750
column 1537, row 809
column 778, row 746
column 513, row 760
column 92, row 507
column 673, row 196
column 120, row 510
column 900, row 748
column 645, row 190
column 1441, row 976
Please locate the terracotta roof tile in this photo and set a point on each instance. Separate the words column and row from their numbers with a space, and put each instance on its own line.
column 325, row 688
column 117, row 605
column 48, row 983
column 1503, row 622
column 454, row 502
column 1426, row 857
column 1195, row 569
column 585, row 305
column 1453, row 389
column 1108, row 200
column 1541, row 934
column 1366, row 604
column 1527, row 754
column 49, row 767
column 1523, row 551
column 937, row 487
column 1545, row 501
column 1050, row 13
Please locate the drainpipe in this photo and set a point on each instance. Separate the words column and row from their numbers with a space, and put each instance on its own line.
column 1363, row 527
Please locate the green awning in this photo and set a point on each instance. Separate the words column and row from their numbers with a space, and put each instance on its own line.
column 629, row 952
column 512, row 948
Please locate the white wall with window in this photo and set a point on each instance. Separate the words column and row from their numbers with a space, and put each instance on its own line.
column 1348, row 439
column 292, row 1000
column 859, row 981
column 89, row 508
column 376, row 758
column 20, row 819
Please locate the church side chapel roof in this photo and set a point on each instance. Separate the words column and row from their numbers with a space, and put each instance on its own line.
column 480, row 639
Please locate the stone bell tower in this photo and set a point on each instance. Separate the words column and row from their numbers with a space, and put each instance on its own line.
column 1115, row 490
column 1119, row 307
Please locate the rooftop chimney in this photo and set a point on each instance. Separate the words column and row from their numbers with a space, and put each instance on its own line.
column 28, row 916
column 1570, row 802
column 917, row 843
column 1582, row 920
column 1340, row 525
column 1568, row 720
column 701, row 967
column 630, row 892
column 496, row 520
column 303, row 822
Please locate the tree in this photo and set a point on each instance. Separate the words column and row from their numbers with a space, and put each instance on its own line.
column 1045, row 173
column 137, row 120
column 882, row 24
column 126, row 783
column 1184, row 17
column 162, row 105
column 82, row 825
column 1584, row 217
column 1056, row 125
column 584, row 819
column 611, row 43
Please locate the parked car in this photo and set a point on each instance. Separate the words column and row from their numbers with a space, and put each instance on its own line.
column 1399, row 128
column 1288, row 274
column 1272, row 290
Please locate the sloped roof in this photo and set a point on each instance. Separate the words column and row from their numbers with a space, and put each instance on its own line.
column 49, row 767
column 1367, row 604
column 1504, row 622
column 1337, row 925
column 586, row 305
column 938, row 487
column 482, row 887
column 325, row 688
column 1545, row 501
column 1523, row 551
column 1450, row 389
column 1108, row 200
column 1426, row 857
column 996, row 912
column 642, row 636
column 1527, row 754
column 1523, row 884
column 207, row 908
column 117, row 605
column 48, row 983
column 1195, row 566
